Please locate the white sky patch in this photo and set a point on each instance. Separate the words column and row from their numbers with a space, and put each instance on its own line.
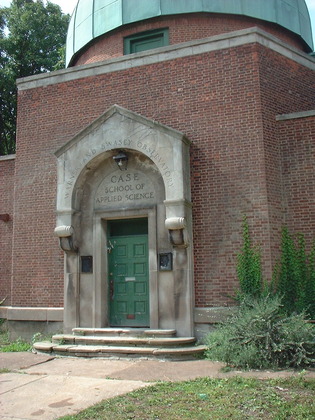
column 67, row 6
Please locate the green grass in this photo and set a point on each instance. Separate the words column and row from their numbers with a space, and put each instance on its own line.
column 215, row 399
column 13, row 346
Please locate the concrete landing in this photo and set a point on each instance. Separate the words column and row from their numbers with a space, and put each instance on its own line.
column 48, row 389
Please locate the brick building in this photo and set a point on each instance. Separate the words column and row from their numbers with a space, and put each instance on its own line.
column 135, row 165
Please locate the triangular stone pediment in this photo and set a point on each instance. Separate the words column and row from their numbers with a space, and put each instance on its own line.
column 121, row 129
column 116, row 109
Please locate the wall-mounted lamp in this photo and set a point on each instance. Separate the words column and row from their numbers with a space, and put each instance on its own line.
column 176, row 227
column 122, row 160
column 65, row 235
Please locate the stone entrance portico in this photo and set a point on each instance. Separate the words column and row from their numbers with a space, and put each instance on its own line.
column 92, row 190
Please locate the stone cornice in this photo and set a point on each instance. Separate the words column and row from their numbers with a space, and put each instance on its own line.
column 295, row 115
column 7, row 157
column 186, row 49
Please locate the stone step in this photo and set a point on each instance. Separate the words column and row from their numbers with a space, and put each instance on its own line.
column 173, row 353
column 122, row 341
column 130, row 332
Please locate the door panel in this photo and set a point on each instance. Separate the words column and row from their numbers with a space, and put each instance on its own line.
column 129, row 279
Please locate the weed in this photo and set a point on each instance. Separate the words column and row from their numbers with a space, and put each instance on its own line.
column 6, row 345
column 41, row 337
column 16, row 346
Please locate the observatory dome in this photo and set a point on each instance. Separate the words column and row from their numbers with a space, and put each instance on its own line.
column 94, row 18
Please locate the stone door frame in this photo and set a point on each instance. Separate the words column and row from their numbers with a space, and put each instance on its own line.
column 101, row 315
column 168, row 149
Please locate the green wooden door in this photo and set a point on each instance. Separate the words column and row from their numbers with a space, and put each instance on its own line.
column 129, row 281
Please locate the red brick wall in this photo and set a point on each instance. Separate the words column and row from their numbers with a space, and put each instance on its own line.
column 38, row 267
column 224, row 101
column 297, row 140
column 286, row 87
column 6, row 228
column 181, row 29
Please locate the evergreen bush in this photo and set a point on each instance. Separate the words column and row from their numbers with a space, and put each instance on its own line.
column 262, row 336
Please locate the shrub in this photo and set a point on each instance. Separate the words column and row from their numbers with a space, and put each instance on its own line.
column 261, row 336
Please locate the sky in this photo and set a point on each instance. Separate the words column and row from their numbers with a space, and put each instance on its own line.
column 67, row 6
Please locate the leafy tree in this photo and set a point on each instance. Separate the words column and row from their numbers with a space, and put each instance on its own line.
column 32, row 41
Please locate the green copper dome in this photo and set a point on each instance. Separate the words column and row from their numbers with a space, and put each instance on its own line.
column 92, row 18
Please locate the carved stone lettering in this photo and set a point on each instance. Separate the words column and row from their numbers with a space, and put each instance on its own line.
column 158, row 160
column 125, row 189
column 138, row 140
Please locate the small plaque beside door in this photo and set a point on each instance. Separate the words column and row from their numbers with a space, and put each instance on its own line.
column 166, row 261
column 87, row 264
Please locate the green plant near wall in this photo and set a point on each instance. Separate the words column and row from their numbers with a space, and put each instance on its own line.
column 269, row 329
column 289, row 271
column 293, row 277
column 249, row 270
column 310, row 283
column 295, row 280
column 262, row 336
